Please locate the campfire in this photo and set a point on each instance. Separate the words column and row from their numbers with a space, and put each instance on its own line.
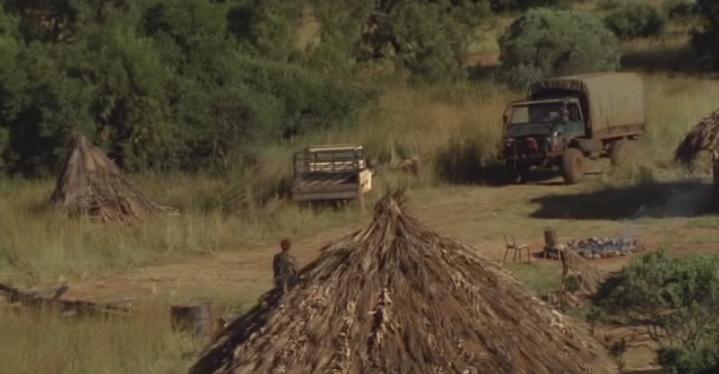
column 596, row 248
column 399, row 298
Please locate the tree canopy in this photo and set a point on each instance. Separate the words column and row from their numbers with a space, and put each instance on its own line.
column 546, row 42
column 166, row 84
column 676, row 300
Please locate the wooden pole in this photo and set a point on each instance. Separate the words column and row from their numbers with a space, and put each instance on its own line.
column 193, row 319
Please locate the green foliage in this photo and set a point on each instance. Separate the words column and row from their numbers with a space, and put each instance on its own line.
column 679, row 8
column 706, row 40
column 422, row 50
column 183, row 84
column 162, row 84
column 634, row 19
column 676, row 300
column 680, row 360
column 428, row 38
column 513, row 5
column 547, row 42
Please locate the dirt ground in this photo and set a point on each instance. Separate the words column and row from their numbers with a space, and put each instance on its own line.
column 476, row 215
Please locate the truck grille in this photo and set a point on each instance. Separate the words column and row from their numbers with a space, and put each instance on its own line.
column 529, row 147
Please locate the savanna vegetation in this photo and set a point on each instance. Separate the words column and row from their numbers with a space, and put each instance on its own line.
column 203, row 102
column 674, row 299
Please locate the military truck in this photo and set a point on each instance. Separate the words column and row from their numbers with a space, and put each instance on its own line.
column 566, row 120
column 330, row 173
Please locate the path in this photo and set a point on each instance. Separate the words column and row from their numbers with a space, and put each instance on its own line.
column 475, row 215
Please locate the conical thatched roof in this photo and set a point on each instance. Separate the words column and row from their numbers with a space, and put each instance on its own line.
column 91, row 185
column 704, row 136
column 397, row 298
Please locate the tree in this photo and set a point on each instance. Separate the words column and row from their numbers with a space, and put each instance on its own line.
column 706, row 39
column 514, row 5
column 9, row 50
column 634, row 19
column 675, row 300
column 547, row 42
column 428, row 38
column 159, row 84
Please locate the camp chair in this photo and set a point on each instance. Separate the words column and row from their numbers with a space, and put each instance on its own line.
column 515, row 248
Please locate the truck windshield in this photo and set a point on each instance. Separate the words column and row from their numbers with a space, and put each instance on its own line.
column 536, row 113
column 543, row 118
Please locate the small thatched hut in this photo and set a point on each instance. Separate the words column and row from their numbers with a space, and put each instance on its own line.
column 703, row 137
column 398, row 298
column 91, row 185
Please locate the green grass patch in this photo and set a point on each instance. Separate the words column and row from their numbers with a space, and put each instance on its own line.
column 540, row 277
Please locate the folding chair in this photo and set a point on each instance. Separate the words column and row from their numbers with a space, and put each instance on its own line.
column 515, row 248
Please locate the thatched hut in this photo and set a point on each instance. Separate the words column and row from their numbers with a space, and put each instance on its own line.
column 704, row 136
column 91, row 185
column 398, row 298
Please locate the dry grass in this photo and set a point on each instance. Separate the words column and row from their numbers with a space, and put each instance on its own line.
column 46, row 343
column 459, row 124
column 232, row 213
column 38, row 244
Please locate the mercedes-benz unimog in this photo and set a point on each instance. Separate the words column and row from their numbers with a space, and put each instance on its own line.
column 566, row 120
column 330, row 173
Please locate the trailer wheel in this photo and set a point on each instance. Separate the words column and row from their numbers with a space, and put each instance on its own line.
column 620, row 152
column 573, row 165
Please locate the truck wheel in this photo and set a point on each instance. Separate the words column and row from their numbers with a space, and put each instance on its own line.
column 573, row 165
column 620, row 152
column 522, row 174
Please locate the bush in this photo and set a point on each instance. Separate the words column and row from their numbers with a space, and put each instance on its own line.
column 636, row 19
column 679, row 8
column 706, row 40
column 427, row 38
column 547, row 42
column 676, row 300
column 162, row 85
column 513, row 5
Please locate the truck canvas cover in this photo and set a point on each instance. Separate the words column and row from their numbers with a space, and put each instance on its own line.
column 615, row 100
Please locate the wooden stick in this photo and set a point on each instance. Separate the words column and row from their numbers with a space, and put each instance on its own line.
column 79, row 307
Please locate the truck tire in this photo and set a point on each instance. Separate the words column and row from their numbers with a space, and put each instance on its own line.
column 522, row 176
column 620, row 152
column 573, row 165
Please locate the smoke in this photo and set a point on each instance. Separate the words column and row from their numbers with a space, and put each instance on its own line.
column 682, row 202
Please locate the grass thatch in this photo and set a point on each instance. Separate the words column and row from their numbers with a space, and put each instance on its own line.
column 398, row 298
column 91, row 185
column 703, row 137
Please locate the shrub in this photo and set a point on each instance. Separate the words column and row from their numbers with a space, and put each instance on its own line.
column 706, row 40
column 427, row 38
column 676, row 300
column 679, row 8
column 548, row 42
column 635, row 19
column 165, row 84
column 608, row 5
column 513, row 5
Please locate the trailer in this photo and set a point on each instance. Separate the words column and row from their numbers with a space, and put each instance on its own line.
column 331, row 173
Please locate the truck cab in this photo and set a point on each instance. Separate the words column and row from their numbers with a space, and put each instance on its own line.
column 536, row 131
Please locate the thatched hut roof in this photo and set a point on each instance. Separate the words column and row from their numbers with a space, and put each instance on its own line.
column 703, row 137
column 398, row 298
column 91, row 184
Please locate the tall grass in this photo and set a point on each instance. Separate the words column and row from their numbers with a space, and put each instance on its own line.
column 47, row 343
column 38, row 244
column 454, row 130
column 674, row 106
